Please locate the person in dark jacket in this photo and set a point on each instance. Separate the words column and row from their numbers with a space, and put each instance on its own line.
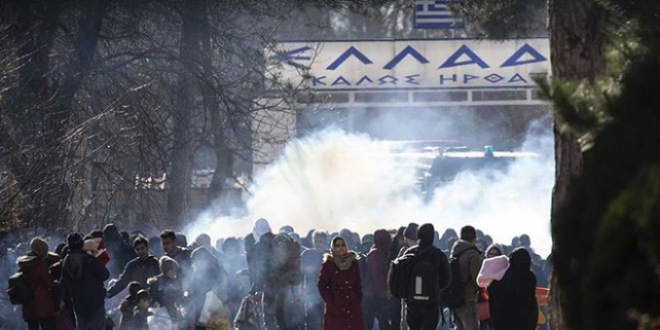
column 140, row 311
column 127, row 306
column 166, row 289
column 426, row 316
column 341, row 288
column 40, row 311
column 394, row 306
column 118, row 248
column 140, row 269
column 470, row 263
column 82, row 284
column 375, row 292
column 311, row 261
column 513, row 298
column 177, row 252
column 260, row 265
column 207, row 276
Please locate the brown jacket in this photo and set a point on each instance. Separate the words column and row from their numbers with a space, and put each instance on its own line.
column 470, row 261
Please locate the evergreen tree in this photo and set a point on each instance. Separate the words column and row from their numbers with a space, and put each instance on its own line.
column 606, row 255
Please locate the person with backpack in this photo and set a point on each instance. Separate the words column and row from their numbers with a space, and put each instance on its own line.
column 461, row 295
column 418, row 277
column 375, row 281
column 340, row 286
column 36, row 288
column 82, row 284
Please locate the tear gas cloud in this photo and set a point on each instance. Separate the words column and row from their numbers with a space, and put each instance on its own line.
column 333, row 180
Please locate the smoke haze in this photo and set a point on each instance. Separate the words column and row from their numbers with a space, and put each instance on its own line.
column 333, row 180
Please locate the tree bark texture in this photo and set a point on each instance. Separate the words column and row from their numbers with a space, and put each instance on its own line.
column 577, row 30
column 34, row 125
column 180, row 175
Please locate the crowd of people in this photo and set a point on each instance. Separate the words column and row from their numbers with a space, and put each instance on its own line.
column 410, row 278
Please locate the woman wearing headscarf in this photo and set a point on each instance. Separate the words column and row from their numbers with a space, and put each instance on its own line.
column 340, row 288
column 513, row 298
column 39, row 313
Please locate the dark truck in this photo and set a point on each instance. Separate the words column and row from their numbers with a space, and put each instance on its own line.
column 455, row 160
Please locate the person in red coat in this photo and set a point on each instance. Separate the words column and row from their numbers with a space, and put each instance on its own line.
column 40, row 311
column 340, row 287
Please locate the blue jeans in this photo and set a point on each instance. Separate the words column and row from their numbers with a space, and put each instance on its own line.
column 91, row 321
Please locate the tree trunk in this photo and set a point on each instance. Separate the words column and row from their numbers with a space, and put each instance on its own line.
column 577, row 30
column 179, row 178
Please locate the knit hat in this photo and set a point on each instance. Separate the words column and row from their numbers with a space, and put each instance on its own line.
column 166, row 263
column 261, row 228
column 39, row 247
column 411, row 231
column 75, row 241
column 133, row 288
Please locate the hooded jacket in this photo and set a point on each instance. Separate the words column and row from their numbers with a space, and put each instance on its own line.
column 377, row 266
column 82, row 282
column 470, row 263
column 35, row 269
column 513, row 298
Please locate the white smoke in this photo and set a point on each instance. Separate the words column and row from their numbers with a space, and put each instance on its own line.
column 334, row 180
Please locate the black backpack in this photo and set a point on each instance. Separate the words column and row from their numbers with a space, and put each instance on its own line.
column 401, row 283
column 19, row 289
column 454, row 295
column 423, row 281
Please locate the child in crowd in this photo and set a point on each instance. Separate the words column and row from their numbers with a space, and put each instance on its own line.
column 141, row 311
column 128, row 305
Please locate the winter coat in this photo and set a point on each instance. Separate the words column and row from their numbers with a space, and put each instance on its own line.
column 183, row 258
column 470, row 263
column 136, row 270
column 342, row 293
column 126, row 308
column 259, row 264
column 167, row 292
column 82, row 282
column 139, row 321
column 377, row 266
column 513, row 298
column 35, row 270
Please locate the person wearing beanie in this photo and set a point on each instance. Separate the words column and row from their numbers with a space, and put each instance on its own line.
column 166, row 289
column 469, row 258
column 423, row 314
column 82, row 285
column 410, row 237
column 128, row 305
column 140, row 269
column 40, row 311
